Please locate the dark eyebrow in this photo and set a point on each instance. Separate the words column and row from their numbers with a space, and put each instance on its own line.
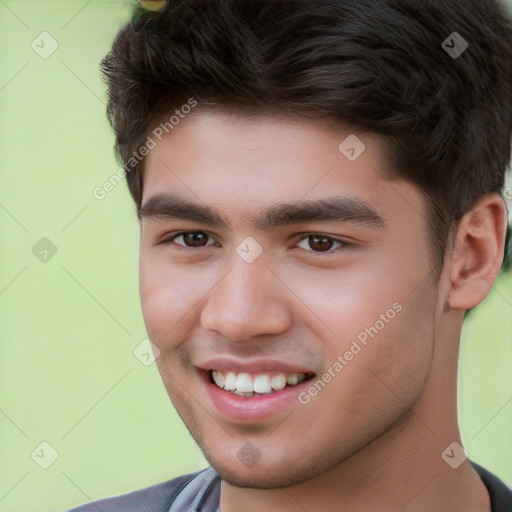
column 335, row 209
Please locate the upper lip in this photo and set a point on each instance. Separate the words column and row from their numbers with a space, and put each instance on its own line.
column 229, row 363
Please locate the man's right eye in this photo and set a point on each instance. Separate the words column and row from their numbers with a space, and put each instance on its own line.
column 188, row 239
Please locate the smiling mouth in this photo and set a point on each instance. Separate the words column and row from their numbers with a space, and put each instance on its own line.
column 256, row 384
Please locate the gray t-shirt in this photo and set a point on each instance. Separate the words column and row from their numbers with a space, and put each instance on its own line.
column 202, row 494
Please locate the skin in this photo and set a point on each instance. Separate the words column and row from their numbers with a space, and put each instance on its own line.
column 372, row 438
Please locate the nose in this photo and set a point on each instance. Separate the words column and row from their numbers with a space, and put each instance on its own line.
column 248, row 301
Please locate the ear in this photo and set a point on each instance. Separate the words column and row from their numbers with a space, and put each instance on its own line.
column 478, row 252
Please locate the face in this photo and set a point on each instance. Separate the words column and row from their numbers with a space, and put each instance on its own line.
column 269, row 259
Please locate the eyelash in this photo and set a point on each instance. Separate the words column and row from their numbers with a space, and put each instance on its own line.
column 169, row 241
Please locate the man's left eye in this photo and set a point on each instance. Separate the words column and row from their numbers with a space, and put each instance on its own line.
column 320, row 243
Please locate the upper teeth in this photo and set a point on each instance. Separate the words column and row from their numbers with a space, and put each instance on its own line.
column 259, row 383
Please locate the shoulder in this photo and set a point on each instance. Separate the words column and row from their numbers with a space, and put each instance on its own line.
column 156, row 498
column 499, row 493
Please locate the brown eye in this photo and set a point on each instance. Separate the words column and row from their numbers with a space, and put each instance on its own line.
column 320, row 243
column 195, row 239
column 188, row 239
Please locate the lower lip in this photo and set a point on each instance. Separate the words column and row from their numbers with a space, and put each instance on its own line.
column 257, row 407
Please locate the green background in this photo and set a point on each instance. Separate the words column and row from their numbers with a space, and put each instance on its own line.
column 69, row 326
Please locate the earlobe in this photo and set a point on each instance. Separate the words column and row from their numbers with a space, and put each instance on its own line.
column 478, row 251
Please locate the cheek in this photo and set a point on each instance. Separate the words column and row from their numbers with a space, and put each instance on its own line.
column 382, row 331
column 162, row 294
column 171, row 295
column 346, row 301
column 393, row 367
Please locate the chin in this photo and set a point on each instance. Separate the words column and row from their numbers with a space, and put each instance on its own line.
column 263, row 476
column 258, row 481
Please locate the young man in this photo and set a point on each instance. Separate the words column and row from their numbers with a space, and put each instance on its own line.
column 318, row 186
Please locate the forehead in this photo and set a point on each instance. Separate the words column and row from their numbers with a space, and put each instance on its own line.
column 242, row 165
